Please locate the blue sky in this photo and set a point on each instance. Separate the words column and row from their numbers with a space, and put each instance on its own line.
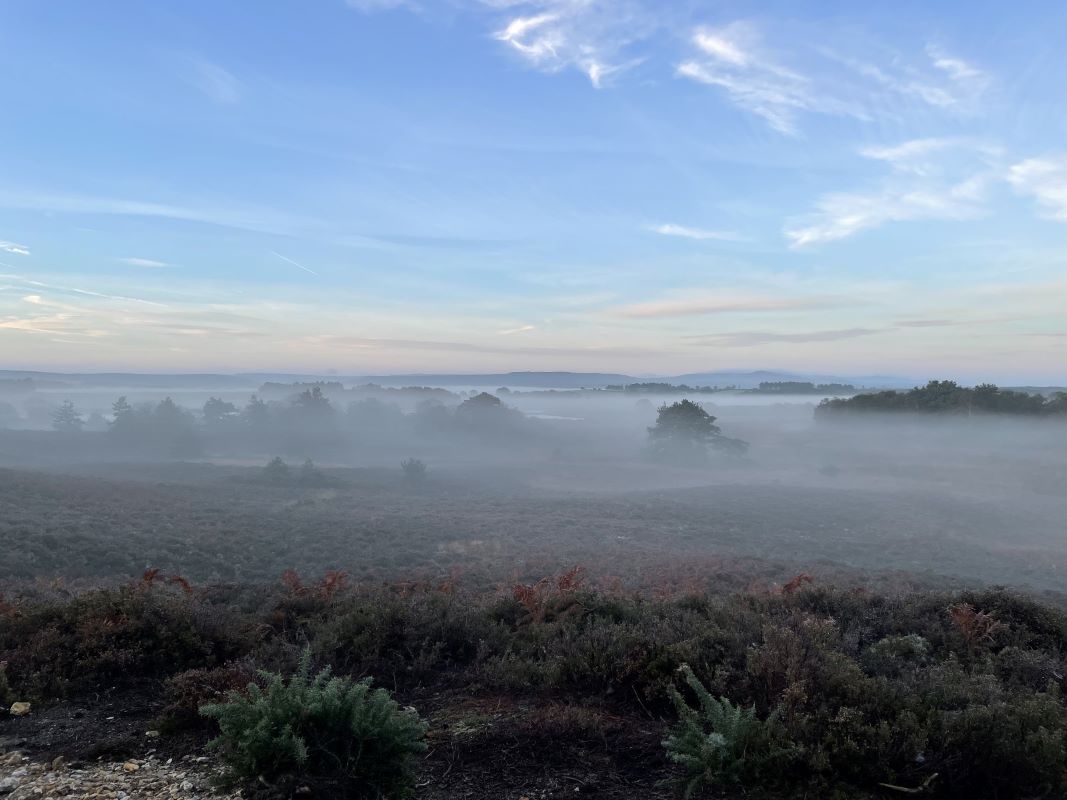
column 460, row 185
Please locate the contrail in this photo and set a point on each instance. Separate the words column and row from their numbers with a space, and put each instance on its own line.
column 294, row 263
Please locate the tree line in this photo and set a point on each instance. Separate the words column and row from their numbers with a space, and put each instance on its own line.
column 948, row 397
column 308, row 421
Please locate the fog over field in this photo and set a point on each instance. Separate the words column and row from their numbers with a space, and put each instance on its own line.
column 520, row 480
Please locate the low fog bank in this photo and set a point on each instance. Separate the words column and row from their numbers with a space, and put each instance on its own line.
column 552, row 477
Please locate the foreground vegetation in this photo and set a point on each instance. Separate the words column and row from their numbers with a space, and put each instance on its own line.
column 842, row 691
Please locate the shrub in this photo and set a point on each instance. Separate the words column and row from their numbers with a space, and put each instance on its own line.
column 1005, row 749
column 414, row 469
column 893, row 654
column 276, row 471
column 187, row 691
column 330, row 730
column 719, row 742
column 110, row 637
column 6, row 696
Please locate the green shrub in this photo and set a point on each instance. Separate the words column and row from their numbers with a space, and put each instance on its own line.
column 894, row 654
column 1016, row 748
column 719, row 742
column 329, row 730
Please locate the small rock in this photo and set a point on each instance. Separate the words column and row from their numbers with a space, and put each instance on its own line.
column 8, row 785
column 152, row 734
column 20, row 709
column 187, row 786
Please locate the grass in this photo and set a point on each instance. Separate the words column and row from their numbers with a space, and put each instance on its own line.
column 219, row 524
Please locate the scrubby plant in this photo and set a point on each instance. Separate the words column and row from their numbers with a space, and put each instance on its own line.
column 187, row 691
column 276, row 471
column 311, row 475
column 6, row 696
column 893, row 654
column 720, row 742
column 355, row 740
column 414, row 469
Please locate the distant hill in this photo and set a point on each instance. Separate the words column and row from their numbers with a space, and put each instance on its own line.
column 539, row 380
column 139, row 380
column 530, row 380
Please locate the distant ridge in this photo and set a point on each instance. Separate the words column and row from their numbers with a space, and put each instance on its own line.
column 532, row 380
column 492, row 380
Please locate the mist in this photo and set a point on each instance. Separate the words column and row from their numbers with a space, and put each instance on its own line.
column 386, row 481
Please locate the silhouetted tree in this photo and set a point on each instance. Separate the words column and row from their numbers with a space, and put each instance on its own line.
column 256, row 414
column 685, row 431
column 124, row 420
column 66, row 418
column 217, row 411
column 486, row 413
column 313, row 404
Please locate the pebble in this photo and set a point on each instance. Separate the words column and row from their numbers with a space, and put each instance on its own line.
column 137, row 778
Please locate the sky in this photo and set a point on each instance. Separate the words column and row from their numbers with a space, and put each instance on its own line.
column 640, row 186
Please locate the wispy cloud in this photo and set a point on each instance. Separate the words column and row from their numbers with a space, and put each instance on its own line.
column 700, row 234
column 592, row 36
column 921, row 187
column 520, row 329
column 702, row 303
column 219, row 84
column 1045, row 179
column 927, row 323
column 228, row 215
column 841, row 215
column 733, row 59
column 756, row 78
column 294, row 263
column 941, row 82
column 755, row 338
column 29, row 282
column 16, row 249
column 441, row 345
column 148, row 263
column 967, row 77
column 907, row 155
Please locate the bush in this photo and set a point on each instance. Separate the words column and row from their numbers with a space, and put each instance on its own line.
column 276, row 471
column 111, row 637
column 719, row 742
column 6, row 696
column 187, row 691
column 414, row 470
column 334, row 731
